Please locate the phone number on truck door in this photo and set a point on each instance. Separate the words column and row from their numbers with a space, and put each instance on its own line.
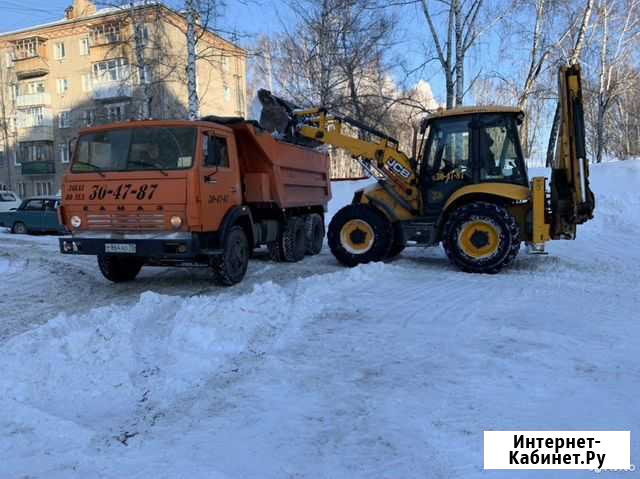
column 123, row 191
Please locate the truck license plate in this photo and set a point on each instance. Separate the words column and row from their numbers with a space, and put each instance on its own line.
column 120, row 248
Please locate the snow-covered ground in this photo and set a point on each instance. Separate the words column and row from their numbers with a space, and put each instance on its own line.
column 311, row 370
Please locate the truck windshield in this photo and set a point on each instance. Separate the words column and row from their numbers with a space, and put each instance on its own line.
column 130, row 149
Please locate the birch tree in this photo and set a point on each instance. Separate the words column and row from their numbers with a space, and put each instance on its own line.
column 453, row 42
column 619, row 31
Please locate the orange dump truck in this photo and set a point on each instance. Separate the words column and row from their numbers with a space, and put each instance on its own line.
column 206, row 192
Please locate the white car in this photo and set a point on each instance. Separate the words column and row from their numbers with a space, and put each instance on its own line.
column 9, row 200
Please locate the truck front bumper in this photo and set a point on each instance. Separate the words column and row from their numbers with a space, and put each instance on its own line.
column 179, row 245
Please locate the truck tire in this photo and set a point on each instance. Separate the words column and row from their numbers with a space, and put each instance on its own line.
column 119, row 269
column 275, row 250
column 359, row 234
column 230, row 267
column 481, row 237
column 19, row 228
column 294, row 240
column 399, row 241
column 314, row 228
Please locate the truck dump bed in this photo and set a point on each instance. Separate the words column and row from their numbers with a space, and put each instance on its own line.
column 277, row 171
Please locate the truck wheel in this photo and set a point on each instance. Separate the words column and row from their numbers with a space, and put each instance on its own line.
column 230, row 267
column 359, row 234
column 275, row 249
column 314, row 227
column 119, row 269
column 481, row 237
column 399, row 241
column 19, row 228
column 294, row 240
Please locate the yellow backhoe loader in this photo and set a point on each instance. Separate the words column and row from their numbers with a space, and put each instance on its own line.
column 467, row 188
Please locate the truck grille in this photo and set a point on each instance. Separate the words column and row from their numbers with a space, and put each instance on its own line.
column 125, row 222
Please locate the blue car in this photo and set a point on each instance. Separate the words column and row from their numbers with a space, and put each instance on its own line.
column 34, row 215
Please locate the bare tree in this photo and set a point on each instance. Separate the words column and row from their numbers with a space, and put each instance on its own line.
column 453, row 42
column 5, row 85
column 619, row 31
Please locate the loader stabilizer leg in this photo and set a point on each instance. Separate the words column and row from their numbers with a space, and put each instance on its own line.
column 540, row 231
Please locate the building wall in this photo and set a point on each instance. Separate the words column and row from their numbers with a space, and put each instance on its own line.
column 221, row 86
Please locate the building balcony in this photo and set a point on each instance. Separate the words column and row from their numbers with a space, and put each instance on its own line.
column 31, row 67
column 43, row 167
column 112, row 90
column 108, row 51
column 36, row 133
column 36, row 99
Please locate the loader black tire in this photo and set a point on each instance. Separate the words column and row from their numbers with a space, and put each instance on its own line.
column 399, row 241
column 314, row 229
column 230, row 267
column 481, row 237
column 294, row 240
column 119, row 269
column 359, row 234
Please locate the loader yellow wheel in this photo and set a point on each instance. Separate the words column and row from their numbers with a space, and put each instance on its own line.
column 479, row 238
column 359, row 234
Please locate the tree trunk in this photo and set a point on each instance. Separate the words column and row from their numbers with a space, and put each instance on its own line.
column 457, row 13
column 192, row 84
column 140, row 60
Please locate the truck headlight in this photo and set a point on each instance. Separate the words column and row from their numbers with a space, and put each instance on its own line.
column 76, row 221
column 176, row 222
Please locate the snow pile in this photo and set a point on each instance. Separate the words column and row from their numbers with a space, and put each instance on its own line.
column 384, row 370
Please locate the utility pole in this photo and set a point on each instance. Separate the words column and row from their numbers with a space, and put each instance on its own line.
column 192, row 84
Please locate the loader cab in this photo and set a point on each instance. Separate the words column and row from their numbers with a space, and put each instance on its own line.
column 468, row 146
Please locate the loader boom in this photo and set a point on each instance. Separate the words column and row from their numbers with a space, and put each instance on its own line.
column 572, row 201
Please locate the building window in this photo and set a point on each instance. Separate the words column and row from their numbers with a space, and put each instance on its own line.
column 63, row 152
column 225, row 63
column 63, row 85
column 28, row 48
column 146, row 74
column 227, row 93
column 35, row 151
column 143, row 31
column 31, row 88
column 116, row 112
column 58, row 51
column 43, row 188
column 22, row 189
column 88, row 117
column 64, row 119
column 107, row 33
column 111, row 70
column 9, row 57
column 86, row 82
column 84, row 46
column 34, row 116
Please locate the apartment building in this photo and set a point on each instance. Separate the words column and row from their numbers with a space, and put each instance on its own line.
column 98, row 66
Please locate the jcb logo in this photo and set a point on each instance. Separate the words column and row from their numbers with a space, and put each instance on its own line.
column 398, row 169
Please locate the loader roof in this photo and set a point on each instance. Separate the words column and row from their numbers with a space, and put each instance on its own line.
column 469, row 110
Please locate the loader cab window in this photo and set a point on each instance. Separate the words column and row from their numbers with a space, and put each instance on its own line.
column 448, row 150
column 500, row 157
column 216, row 152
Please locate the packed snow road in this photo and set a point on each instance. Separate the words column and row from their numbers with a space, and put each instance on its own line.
column 311, row 370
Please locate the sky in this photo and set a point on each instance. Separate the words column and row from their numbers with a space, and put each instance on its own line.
column 250, row 18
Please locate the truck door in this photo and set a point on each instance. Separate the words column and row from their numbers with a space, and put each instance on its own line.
column 220, row 177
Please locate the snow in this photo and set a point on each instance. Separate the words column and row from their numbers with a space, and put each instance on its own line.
column 312, row 370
